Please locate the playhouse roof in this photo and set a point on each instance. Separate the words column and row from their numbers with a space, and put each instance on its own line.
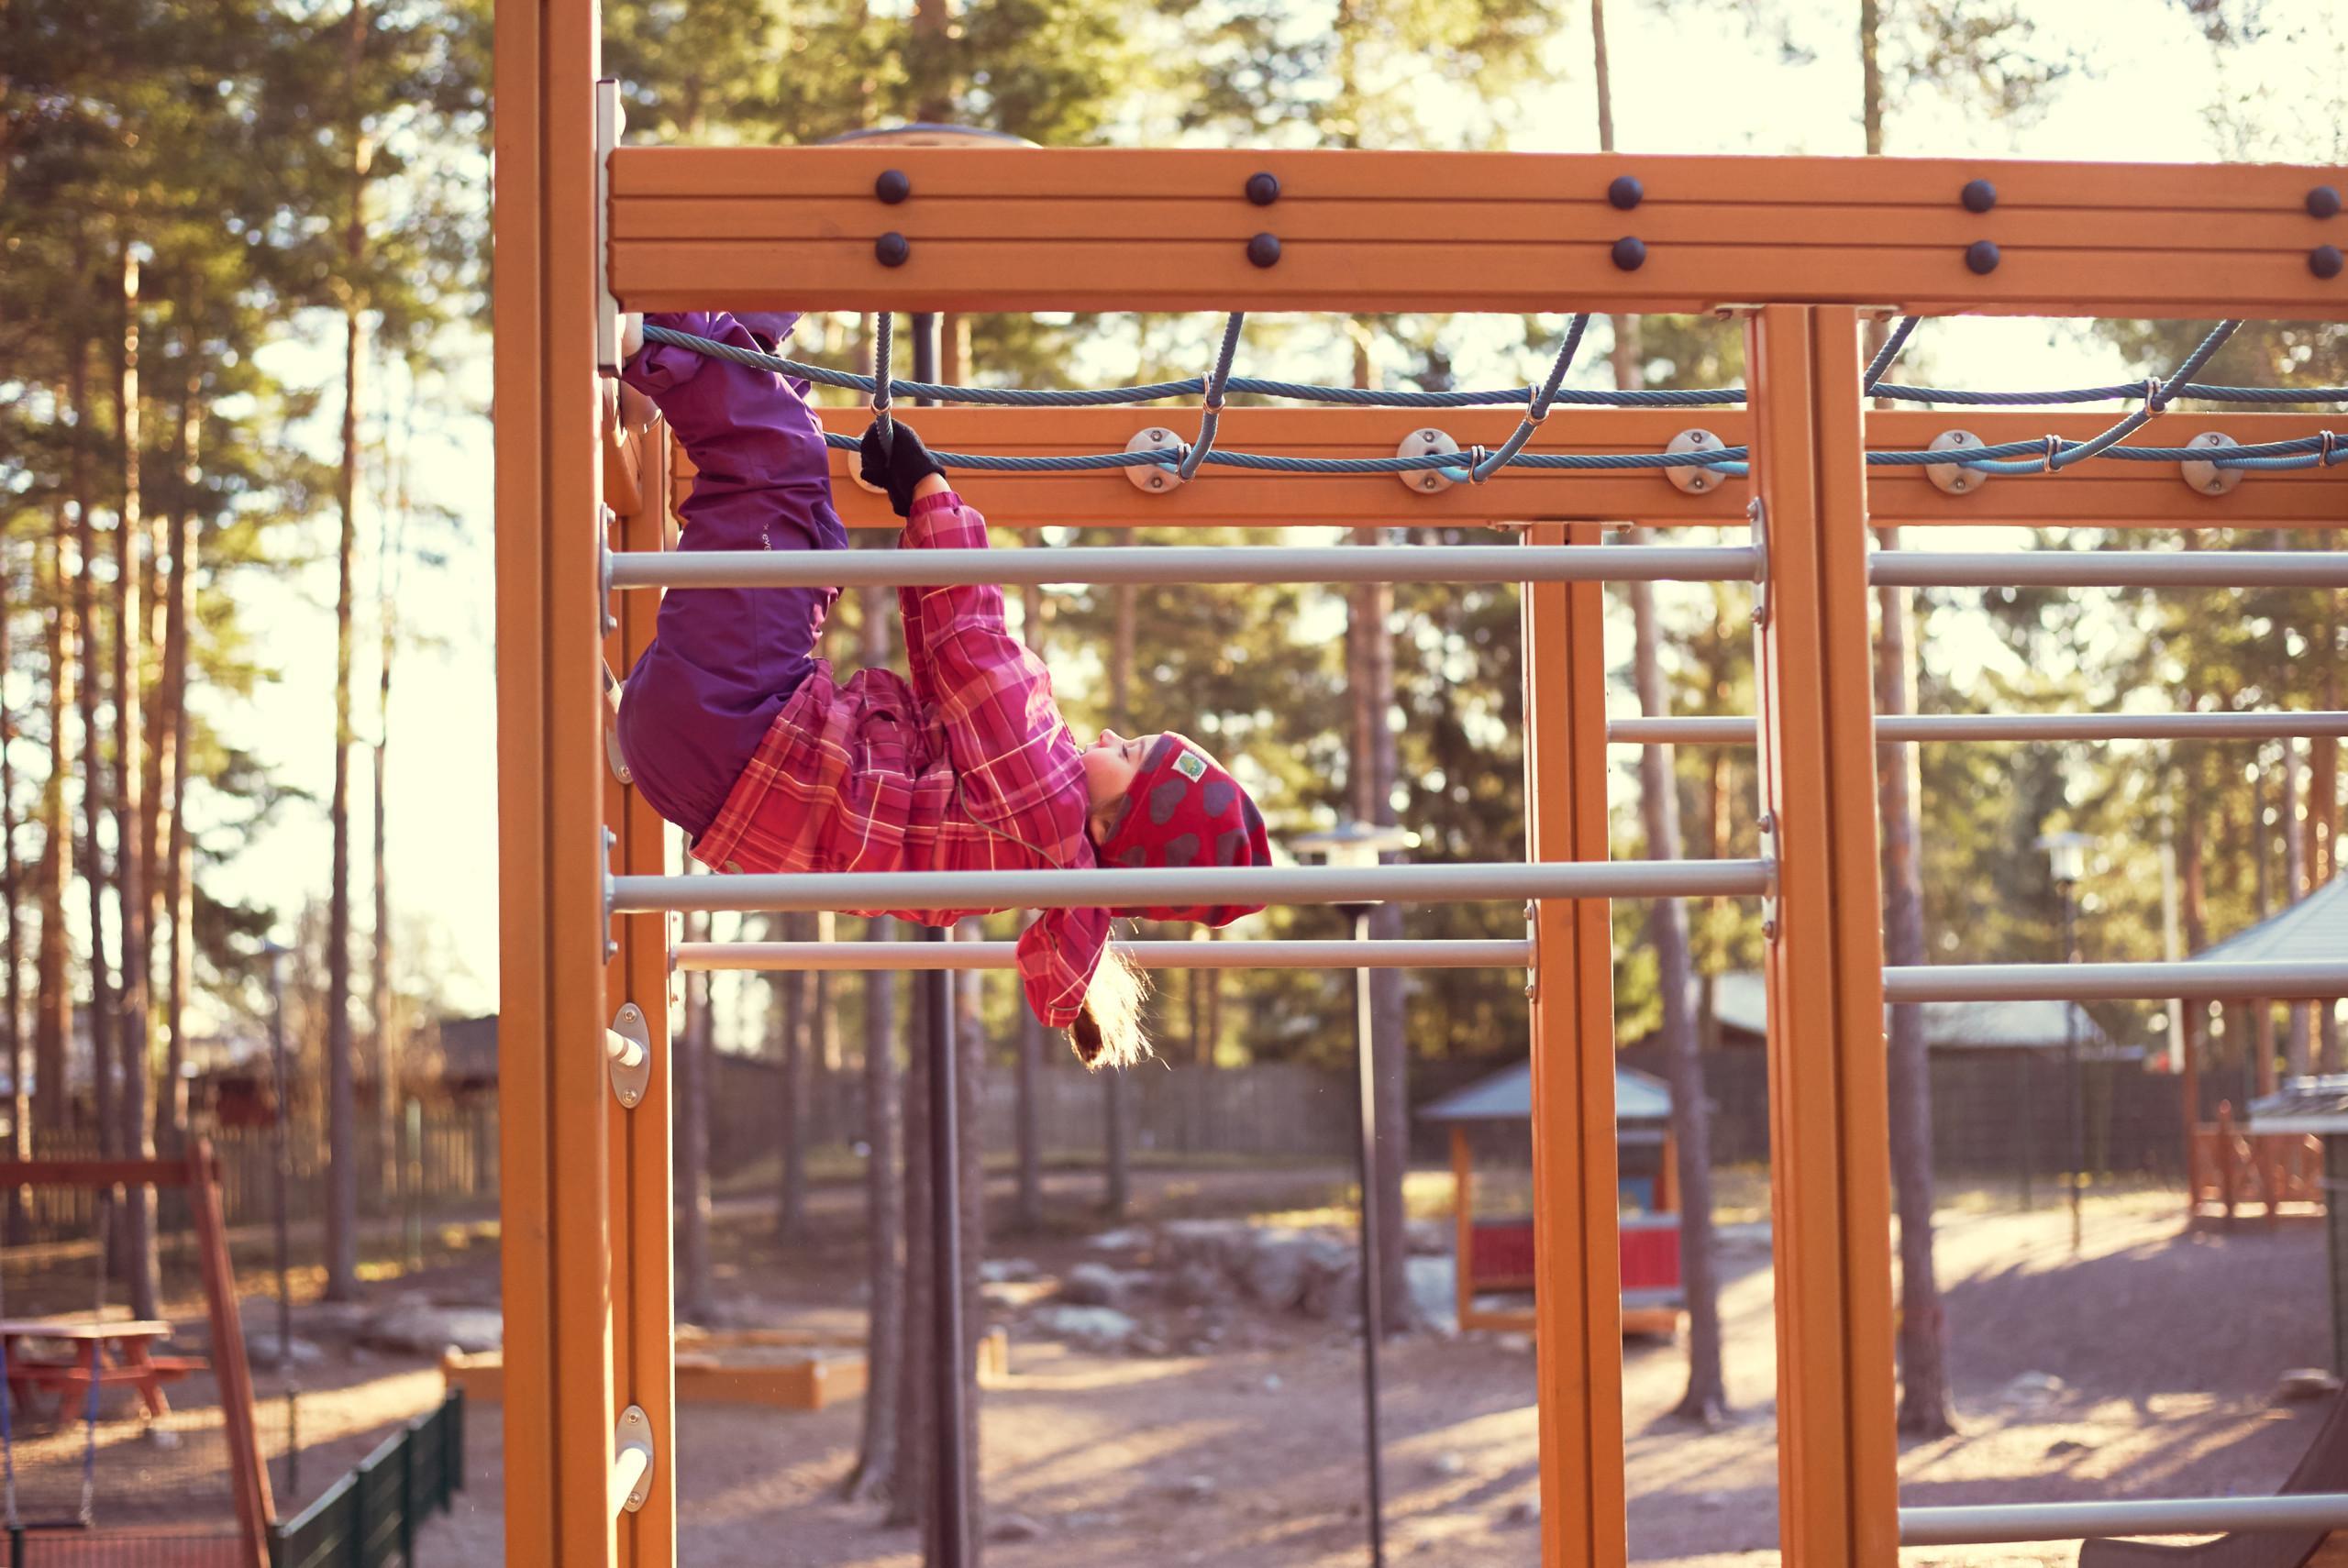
column 2315, row 928
column 1507, row 1096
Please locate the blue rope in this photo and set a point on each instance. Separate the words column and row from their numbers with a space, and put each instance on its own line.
column 1538, row 409
column 1192, row 457
column 1887, row 353
column 2158, row 401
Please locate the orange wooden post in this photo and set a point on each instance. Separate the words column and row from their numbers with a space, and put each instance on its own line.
column 643, row 1300
column 247, row 1473
column 554, row 1142
column 1577, row 1301
column 1829, row 1147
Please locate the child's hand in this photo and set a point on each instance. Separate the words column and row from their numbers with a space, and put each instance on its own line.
column 896, row 462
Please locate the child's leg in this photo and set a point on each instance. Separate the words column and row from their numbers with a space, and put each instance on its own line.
column 725, row 659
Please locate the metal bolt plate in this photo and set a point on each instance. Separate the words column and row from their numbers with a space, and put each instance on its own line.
column 629, row 1084
column 1155, row 478
column 1418, row 444
column 634, row 1432
column 1950, row 478
column 1694, row 482
column 2209, row 478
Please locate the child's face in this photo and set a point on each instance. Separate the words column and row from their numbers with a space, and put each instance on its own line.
column 1110, row 766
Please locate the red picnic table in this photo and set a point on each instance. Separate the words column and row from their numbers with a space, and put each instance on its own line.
column 117, row 1351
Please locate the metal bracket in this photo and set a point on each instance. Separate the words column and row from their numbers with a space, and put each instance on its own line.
column 1694, row 482
column 1533, row 941
column 1756, row 514
column 628, row 1046
column 2209, row 478
column 633, row 1456
column 1155, row 478
column 612, row 755
column 1767, row 830
column 611, row 947
column 1420, row 444
column 1954, row 478
column 611, row 120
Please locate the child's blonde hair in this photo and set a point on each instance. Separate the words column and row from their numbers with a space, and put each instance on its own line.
column 1109, row 1032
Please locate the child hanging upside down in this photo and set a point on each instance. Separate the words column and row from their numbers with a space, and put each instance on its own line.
column 735, row 731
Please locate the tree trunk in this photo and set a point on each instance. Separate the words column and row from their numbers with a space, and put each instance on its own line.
column 2324, row 845
column 877, row 1475
column 136, row 1139
column 93, row 771
column 695, row 1302
column 2299, row 1049
column 52, row 984
column 909, row 1498
column 1117, row 1162
column 12, row 955
column 385, row 1051
column 342, row 1105
column 1371, row 645
column 175, row 844
column 794, row 997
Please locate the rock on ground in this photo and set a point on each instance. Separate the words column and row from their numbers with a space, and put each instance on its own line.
column 427, row 1330
column 1096, row 1328
column 1095, row 1284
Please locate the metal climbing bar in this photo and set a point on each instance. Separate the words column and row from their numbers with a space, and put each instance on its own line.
column 2109, row 568
column 1113, row 888
column 1027, row 229
column 2214, row 980
column 1186, row 564
column 1732, row 730
column 625, row 1054
column 834, row 958
column 1989, row 1523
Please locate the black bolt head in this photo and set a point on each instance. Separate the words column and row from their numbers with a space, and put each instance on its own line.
column 1264, row 249
column 2323, row 202
column 893, row 248
column 892, row 186
column 1629, row 253
column 1263, row 190
column 1982, row 256
column 1978, row 195
column 2324, row 261
column 1626, row 192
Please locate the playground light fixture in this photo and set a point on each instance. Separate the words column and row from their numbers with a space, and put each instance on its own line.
column 2066, row 854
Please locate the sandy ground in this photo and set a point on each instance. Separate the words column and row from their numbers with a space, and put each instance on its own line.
column 2145, row 1367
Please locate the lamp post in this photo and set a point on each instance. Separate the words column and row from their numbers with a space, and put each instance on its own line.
column 2066, row 857
column 1356, row 844
column 281, row 1073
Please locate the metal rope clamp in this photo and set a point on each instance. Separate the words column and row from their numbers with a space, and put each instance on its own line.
column 1692, row 479
column 2210, row 478
column 1155, row 478
column 629, row 1045
column 1954, row 478
column 1422, row 443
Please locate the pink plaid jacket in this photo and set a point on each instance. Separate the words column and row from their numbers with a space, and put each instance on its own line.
column 970, row 767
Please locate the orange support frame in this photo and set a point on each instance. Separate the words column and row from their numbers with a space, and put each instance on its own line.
column 1829, row 1138
column 2101, row 495
column 1027, row 229
column 1576, row 1248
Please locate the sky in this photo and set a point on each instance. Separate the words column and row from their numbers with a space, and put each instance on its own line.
column 1688, row 78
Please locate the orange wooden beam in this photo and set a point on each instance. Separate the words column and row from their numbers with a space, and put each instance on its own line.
column 1576, row 1248
column 1021, row 230
column 2101, row 495
column 1829, row 1161
column 555, row 1226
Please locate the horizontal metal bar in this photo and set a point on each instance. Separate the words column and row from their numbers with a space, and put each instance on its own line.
column 2212, row 980
column 1185, row 564
column 2109, row 568
column 1735, row 730
column 629, row 1469
column 1983, row 1524
column 626, row 1054
column 1106, row 889
column 835, row 957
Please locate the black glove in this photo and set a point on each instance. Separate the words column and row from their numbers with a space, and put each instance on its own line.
column 892, row 459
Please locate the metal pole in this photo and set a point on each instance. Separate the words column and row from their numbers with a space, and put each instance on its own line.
column 1511, row 881
column 2109, row 568
column 1404, row 953
column 1373, row 1316
column 950, row 1361
column 2292, row 979
column 282, row 1073
column 1735, row 729
column 2071, row 1060
column 2026, row 1128
column 1186, row 565
column 1983, row 1525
